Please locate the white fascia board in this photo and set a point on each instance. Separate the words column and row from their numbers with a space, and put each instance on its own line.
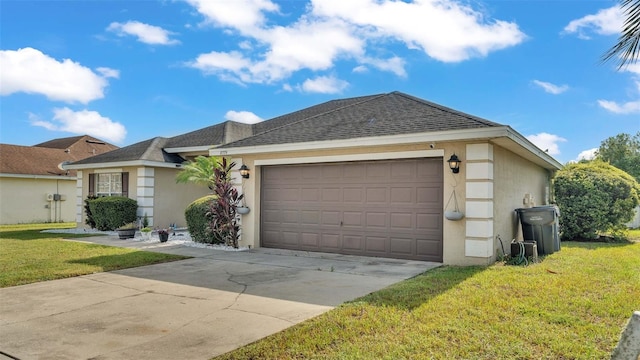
column 454, row 135
column 121, row 164
column 189, row 149
column 352, row 157
column 533, row 149
column 47, row 177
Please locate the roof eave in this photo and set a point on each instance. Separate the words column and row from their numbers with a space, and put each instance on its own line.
column 119, row 164
column 517, row 143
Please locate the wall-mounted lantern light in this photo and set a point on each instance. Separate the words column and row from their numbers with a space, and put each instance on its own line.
column 244, row 171
column 454, row 163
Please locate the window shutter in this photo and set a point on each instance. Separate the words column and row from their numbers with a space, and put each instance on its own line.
column 125, row 184
column 92, row 184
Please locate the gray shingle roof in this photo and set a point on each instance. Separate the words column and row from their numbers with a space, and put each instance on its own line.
column 365, row 116
column 377, row 115
column 149, row 150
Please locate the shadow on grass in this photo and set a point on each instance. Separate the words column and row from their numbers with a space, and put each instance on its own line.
column 592, row 245
column 128, row 260
column 412, row 293
column 37, row 235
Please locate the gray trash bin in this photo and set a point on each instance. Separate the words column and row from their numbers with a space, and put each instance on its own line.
column 540, row 224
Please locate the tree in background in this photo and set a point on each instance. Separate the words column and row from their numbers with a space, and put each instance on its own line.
column 595, row 198
column 200, row 171
column 628, row 46
column 623, row 152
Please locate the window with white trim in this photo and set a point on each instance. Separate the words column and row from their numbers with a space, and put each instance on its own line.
column 109, row 184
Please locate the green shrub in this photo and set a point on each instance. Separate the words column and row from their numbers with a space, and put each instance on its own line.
column 198, row 220
column 111, row 212
column 594, row 198
column 87, row 210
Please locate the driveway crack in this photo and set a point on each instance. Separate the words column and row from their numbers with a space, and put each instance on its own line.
column 244, row 288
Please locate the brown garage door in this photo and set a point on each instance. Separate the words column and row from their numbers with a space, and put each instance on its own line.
column 373, row 208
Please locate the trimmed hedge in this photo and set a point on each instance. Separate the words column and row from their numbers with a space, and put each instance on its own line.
column 198, row 219
column 111, row 212
column 594, row 198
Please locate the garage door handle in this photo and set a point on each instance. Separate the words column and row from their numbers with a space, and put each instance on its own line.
column 340, row 223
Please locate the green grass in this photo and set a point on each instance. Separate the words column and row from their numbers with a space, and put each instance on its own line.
column 572, row 305
column 28, row 255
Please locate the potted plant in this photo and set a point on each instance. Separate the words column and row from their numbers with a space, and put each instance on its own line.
column 146, row 232
column 163, row 234
column 127, row 231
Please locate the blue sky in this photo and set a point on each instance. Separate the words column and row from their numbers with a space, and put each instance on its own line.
column 128, row 71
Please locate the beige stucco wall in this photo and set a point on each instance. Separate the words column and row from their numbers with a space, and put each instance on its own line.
column 171, row 199
column 506, row 176
column 154, row 189
column 24, row 200
column 513, row 178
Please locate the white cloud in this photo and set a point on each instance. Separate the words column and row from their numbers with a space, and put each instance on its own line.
column 83, row 122
column 245, row 117
column 551, row 88
column 547, row 142
column 446, row 30
column 630, row 107
column 324, row 85
column 361, row 69
column 30, row 71
column 148, row 34
column 587, row 154
column 333, row 30
column 605, row 22
column 244, row 15
column 108, row 73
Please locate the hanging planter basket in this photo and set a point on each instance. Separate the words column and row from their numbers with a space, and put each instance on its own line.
column 242, row 210
column 455, row 214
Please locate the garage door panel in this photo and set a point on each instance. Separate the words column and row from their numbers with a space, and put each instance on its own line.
column 330, row 242
column 376, row 195
column 310, row 239
column 353, row 242
column 376, row 244
column 332, row 194
column 429, row 196
column 310, row 217
column 310, row 194
column 401, row 246
column 429, row 221
column 353, row 195
column 352, row 218
column 401, row 220
column 377, row 208
column 377, row 219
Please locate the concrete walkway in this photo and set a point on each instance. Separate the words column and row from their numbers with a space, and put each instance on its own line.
column 191, row 309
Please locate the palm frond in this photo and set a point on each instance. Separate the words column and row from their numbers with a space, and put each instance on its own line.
column 627, row 49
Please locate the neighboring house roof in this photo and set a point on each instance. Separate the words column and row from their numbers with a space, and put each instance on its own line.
column 149, row 150
column 43, row 159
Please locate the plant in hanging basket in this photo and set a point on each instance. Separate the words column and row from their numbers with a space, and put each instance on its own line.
column 455, row 214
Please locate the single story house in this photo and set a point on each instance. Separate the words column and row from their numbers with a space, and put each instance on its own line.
column 367, row 176
column 33, row 185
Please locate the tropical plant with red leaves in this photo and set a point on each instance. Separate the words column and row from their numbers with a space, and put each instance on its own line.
column 223, row 211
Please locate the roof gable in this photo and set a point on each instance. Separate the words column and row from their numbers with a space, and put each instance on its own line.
column 147, row 150
column 378, row 115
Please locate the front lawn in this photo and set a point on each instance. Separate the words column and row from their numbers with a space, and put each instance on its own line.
column 28, row 255
column 572, row 305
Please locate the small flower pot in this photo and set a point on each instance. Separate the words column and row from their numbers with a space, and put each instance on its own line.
column 126, row 233
column 242, row 210
column 163, row 237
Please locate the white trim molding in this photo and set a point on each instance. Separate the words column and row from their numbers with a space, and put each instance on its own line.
column 352, row 157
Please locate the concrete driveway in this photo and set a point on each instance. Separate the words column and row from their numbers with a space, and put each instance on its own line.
column 191, row 309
